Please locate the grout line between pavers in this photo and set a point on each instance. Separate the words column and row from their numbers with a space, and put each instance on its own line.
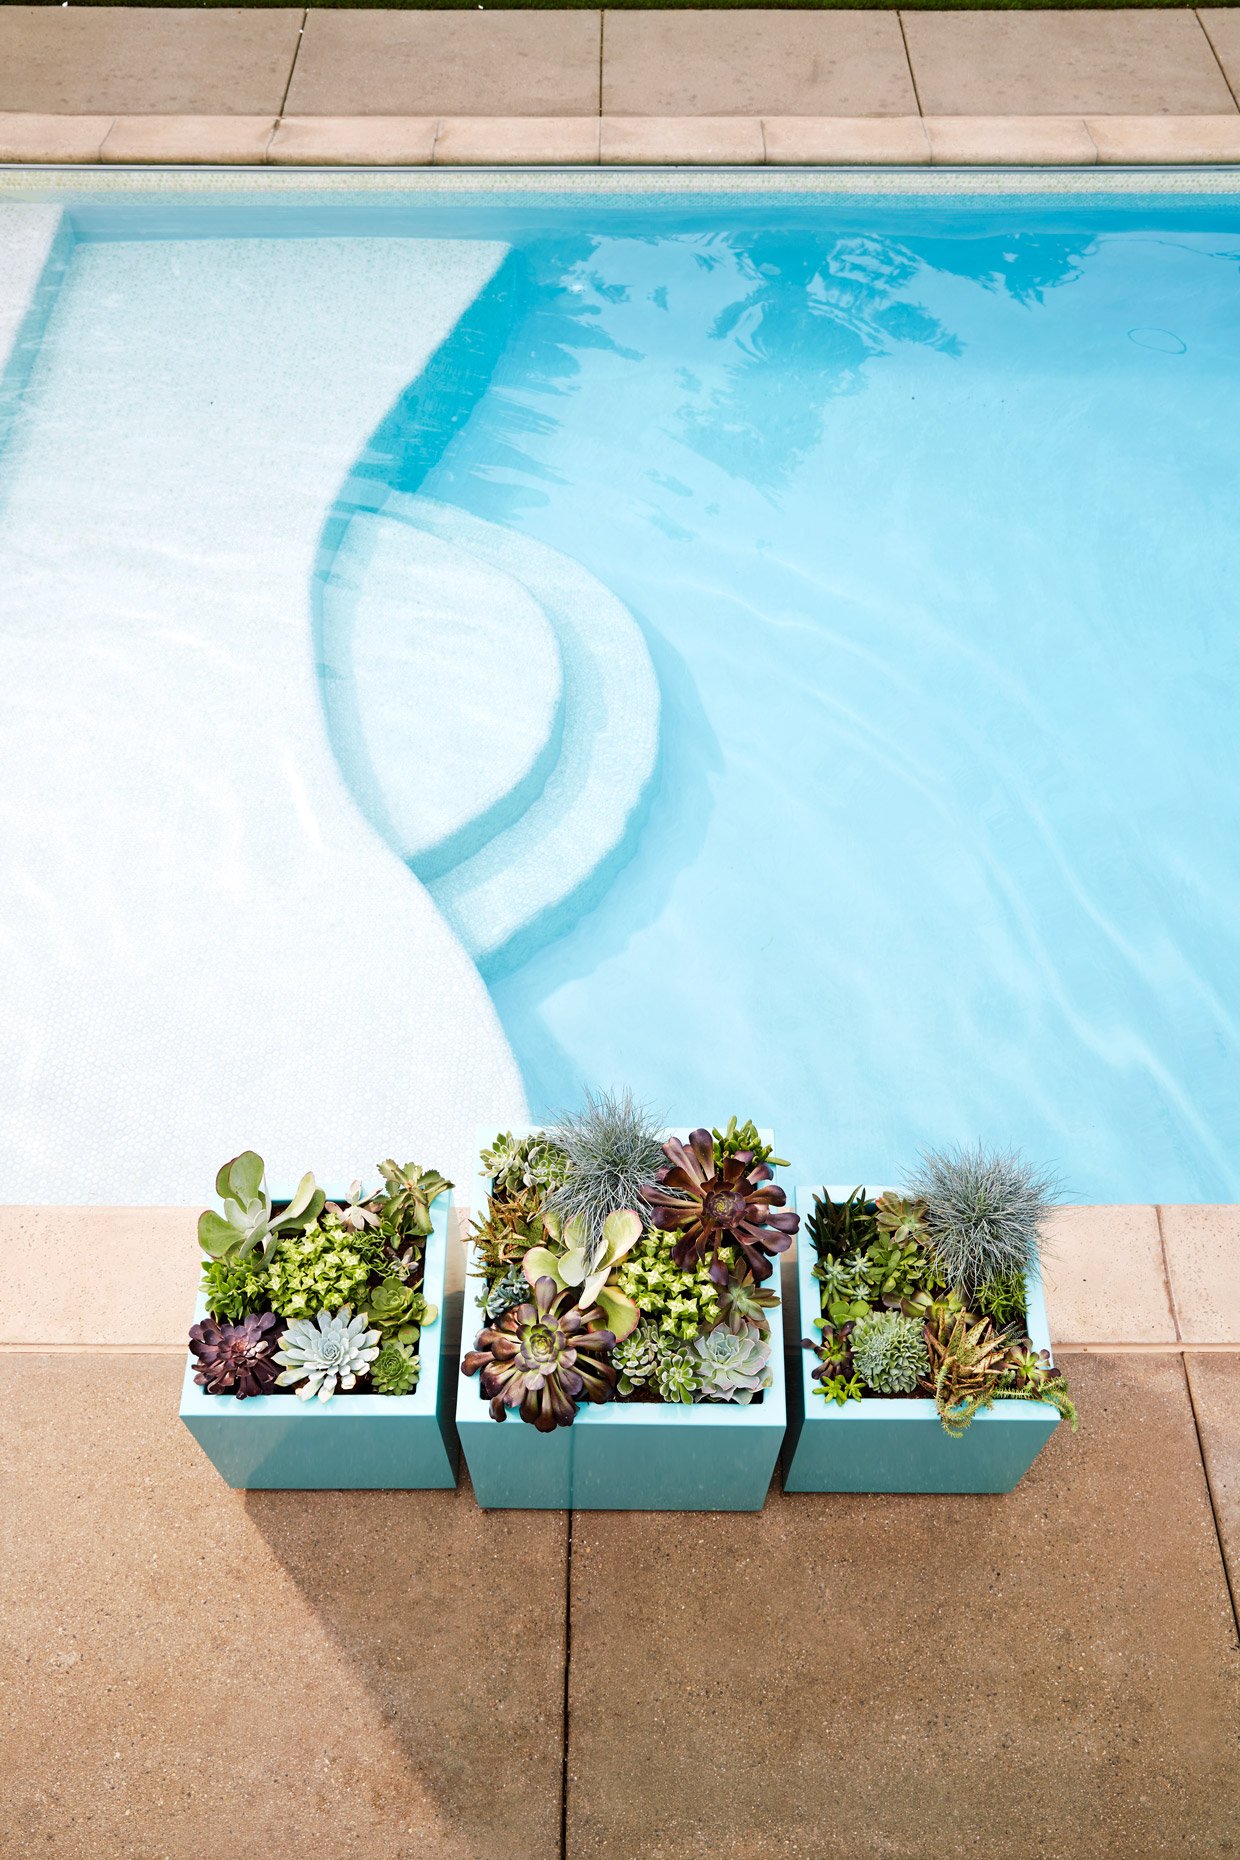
column 1108, row 1346
column 568, row 1656
column 1218, row 1529
column 1090, row 134
column 1166, row 1266
column 301, row 34
column 431, row 164
column 908, row 59
column 602, row 30
column 1235, row 95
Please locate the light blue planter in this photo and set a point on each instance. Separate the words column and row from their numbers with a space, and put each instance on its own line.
column 621, row 1456
column 894, row 1444
column 352, row 1442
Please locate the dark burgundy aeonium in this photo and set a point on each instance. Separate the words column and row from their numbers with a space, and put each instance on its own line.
column 543, row 1359
column 710, row 1204
column 236, row 1359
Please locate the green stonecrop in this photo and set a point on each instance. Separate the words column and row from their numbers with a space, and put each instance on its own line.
column 890, row 1353
column 1002, row 1300
column 318, row 1271
column 233, row 1288
column 737, row 1137
column 680, row 1303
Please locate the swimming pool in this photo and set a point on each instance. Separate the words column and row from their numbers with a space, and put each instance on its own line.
column 773, row 643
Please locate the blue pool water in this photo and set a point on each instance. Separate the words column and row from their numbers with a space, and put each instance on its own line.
column 923, row 511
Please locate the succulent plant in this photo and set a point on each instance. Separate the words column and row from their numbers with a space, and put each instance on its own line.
column 898, row 1268
column 676, row 1376
column 842, row 1227
column 356, row 1212
column 636, row 1358
column 834, row 1351
column 838, row 1388
column 733, row 1365
column 1002, row 1299
column 736, row 1137
column 742, row 1301
column 318, row 1271
column 248, row 1224
column 571, row 1258
column 967, row 1360
column 984, row 1209
column 845, row 1277
column 511, row 1288
column 234, row 1287
column 326, row 1353
column 613, row 1147
column 505, row 1234
column 396, row 1368
column 901, row 1219
column 406, row 1207
column 543, row 1358
column 516, row 1164
column 397, row 1310
column 235, row 1359
column 679, row 1302
column 889, row 1352
column 1031, row 1376
column 709, row 1203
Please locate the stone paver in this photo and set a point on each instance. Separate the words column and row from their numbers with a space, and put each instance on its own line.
column 1203, row 1261
column 404, row 141
column 28, row 136
column 1215, row 1382
column 753, row 62
column 228, row 61
column 1103, row 1274
column 549, row 139
column 122, row 1275
column 452, row 63
column 691, row 141
column 1036, row 141
column 845, row 139
column 1172, row 139
column 217, row 139
column 187, row 1669
column 1051, row 1672
column 1222, row 27
column 1130, row 61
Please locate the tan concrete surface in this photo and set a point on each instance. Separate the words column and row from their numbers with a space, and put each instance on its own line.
column 29, row 136
column 690, row 141
column 1033, row 141
column 452, row 63
column 1130, row 62
column 754, row 62
column 536, row 139
column 186, row 1670
column 845, row 139
column 218, row 139
column 230, row 61
column 1124, row 139
column 1104, row 1279
column 98, row 1275
column 1221, row 25
column 403, row 141
column 1046, row 1673
column 1215, row 1384
column 1203, row 1262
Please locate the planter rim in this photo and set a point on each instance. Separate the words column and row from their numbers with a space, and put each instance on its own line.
column 195, row 1400
column 472, row 1405
column 901, row 1407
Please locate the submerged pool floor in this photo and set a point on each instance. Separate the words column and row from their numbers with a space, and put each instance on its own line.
column 794, row 645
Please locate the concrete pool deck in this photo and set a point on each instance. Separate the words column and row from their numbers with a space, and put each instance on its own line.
column 289, row 85
column 1052, row 1672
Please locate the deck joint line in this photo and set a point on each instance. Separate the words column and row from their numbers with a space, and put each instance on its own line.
column 568, row 1656
column 1210, row 1494
column 908, row 59
column 1166, row 1266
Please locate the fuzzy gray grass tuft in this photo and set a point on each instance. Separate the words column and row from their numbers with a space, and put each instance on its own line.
column 984, row 1210
column 613, row 1147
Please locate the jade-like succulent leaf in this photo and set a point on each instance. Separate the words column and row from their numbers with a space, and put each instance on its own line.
column 301, row 1210
column 541, row 1263
column 242, row 1178
column 621, row 1313
column 216, row 1236
column 621, row 1232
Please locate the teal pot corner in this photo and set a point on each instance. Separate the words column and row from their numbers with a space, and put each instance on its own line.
column 398, row 1443
column 898, row 1444
column 621, row 1456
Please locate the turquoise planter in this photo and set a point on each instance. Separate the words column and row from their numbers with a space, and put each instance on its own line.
column 893, row 1444
column 622, row 1456
column 352, row 1442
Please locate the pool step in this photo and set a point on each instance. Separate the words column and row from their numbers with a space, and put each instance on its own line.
column 535, row 875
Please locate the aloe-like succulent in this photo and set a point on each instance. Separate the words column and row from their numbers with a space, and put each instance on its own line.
column 248, row 1224
column 543, row 1358
column 842, row 1227
column 406, row 1206
column 709, row 1203
column 889, row 1352
column 517, row 1164
column 967, row 1360
column 571, row 1257
column 395, row 1370
column 733, row 1364
column 326, row 1353
column 235, row 1359
column 397, row 1310
column 613, row 1145
column 636, row 1358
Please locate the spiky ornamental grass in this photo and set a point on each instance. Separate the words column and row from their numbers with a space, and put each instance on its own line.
column 983, row 1211
column 613, row 1146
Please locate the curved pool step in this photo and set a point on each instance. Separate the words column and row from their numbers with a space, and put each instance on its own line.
column 440, row 645
column 536, row 876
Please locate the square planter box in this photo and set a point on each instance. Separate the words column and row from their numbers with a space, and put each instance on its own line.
column 352, row 1442
column 621, row 1456
column 897, row 1443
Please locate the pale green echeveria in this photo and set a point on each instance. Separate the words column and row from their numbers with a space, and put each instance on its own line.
column 733, row 1365
column 326, row 1353
column 567, row 1259
column 247, row 1224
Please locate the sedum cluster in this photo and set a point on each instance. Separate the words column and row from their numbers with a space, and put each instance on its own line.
column 680, row 1302
column 317, row 1271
